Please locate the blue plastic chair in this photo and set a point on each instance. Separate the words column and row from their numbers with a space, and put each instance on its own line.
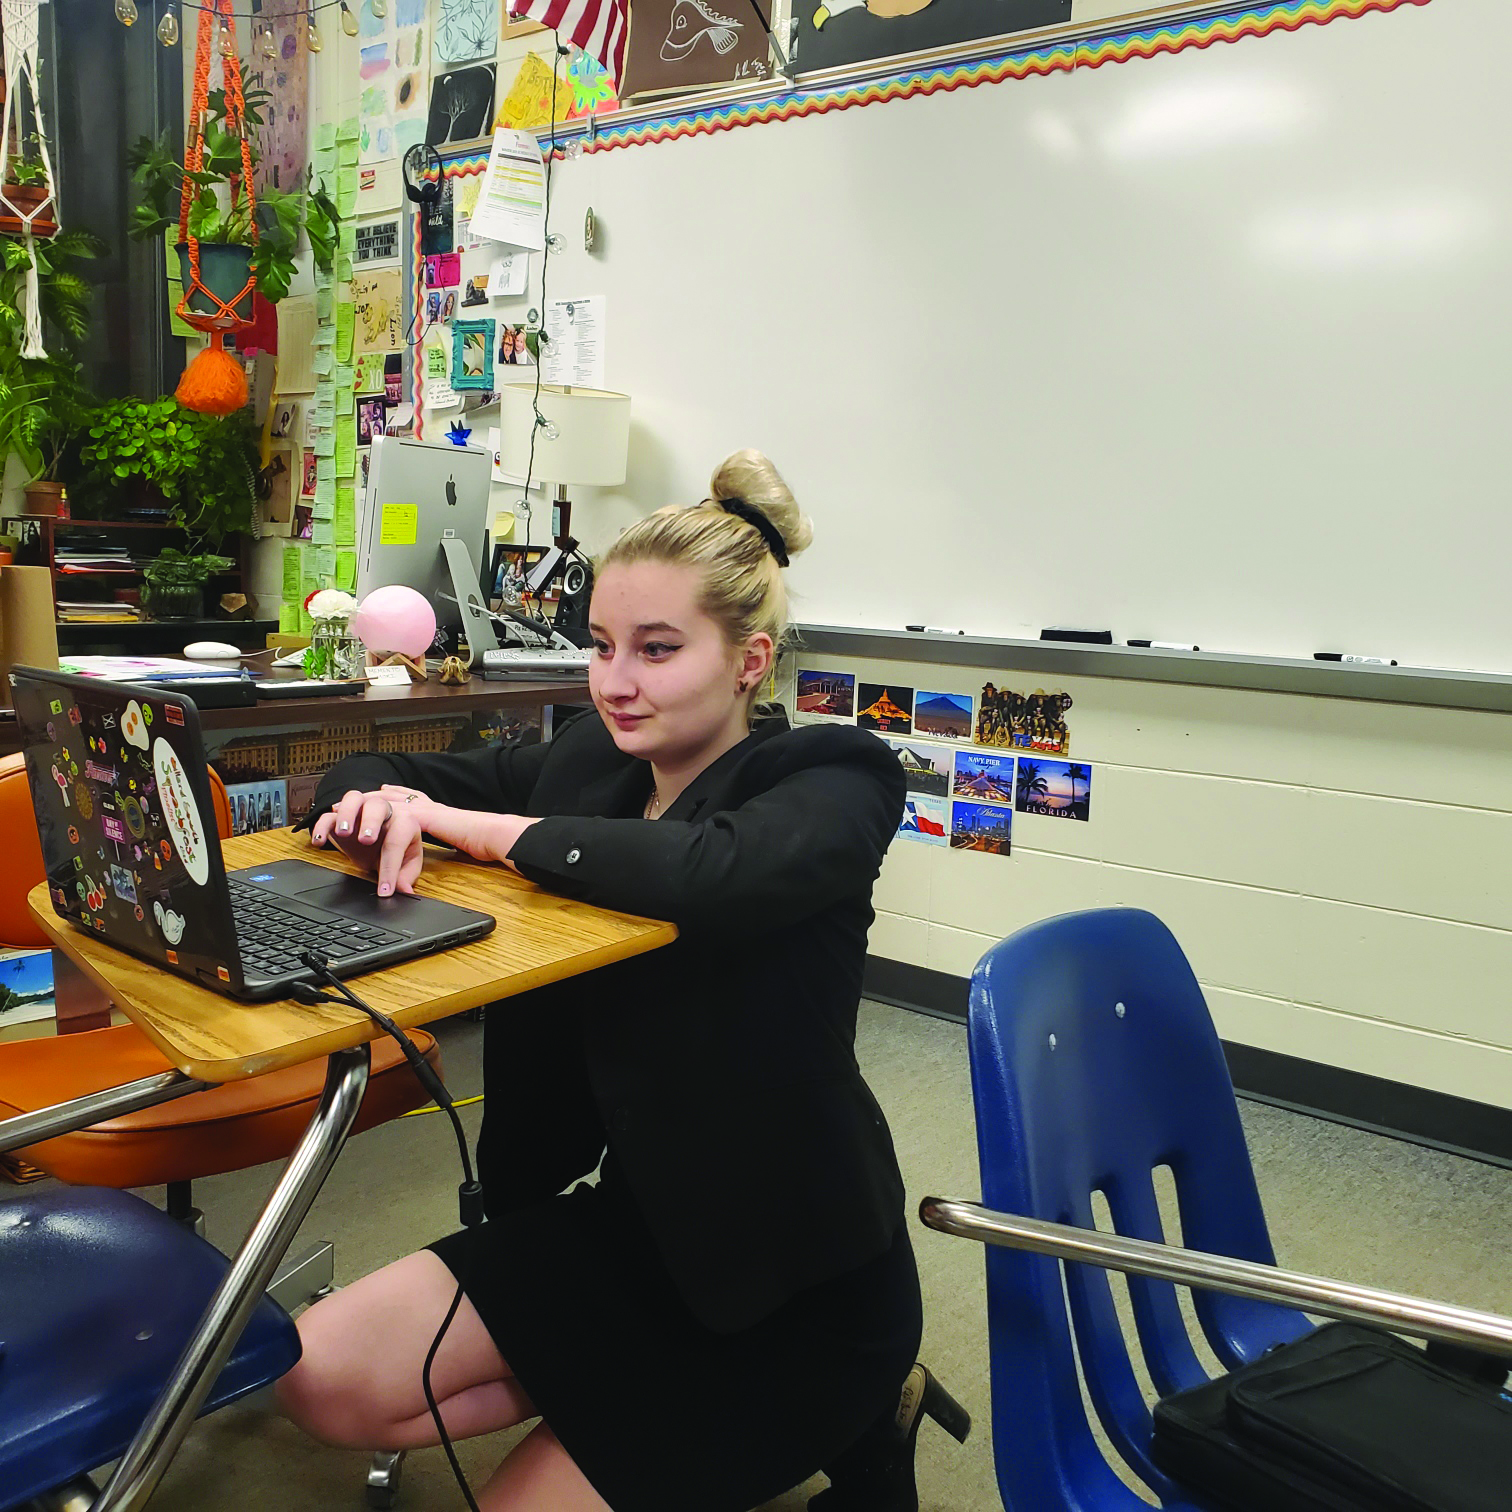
column 1093, row 1061
column 99, row 1291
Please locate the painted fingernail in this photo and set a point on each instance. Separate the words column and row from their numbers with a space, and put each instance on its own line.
column 343, row 827
column 384, row 889
column 366, row 835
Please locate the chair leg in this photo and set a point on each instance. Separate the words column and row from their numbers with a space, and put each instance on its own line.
column 306, row 1278
column 383, row 1477
column 77, row 1496
column 180, row 1206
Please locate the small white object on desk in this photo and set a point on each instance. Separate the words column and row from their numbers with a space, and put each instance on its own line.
column 212, row 651
column 388, row 677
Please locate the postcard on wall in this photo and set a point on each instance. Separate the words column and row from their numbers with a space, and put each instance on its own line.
column 944, row 716
column 1026, row 721
column 514, row 346
column 1059, row 789
column 926, row 768
column 984, row 775
column 926, row 818
column 981, row 827
column 885, row 707
column 824, row 697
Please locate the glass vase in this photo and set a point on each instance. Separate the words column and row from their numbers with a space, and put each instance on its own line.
column 334, row 652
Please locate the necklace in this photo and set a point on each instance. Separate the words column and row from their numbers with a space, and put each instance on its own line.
column 653, row 804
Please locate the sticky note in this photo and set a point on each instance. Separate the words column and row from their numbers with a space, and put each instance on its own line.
column 436, row 365
column 325, row 305
column 344, row 268
column 325, row 563
column 325, row 360
column 325, row 135
column 399, row 525
column 321, row 533
column 343, row 375
column 346, row 191
column 292, row 556
column 346, row 402
column 346, row 446
column 346, row 238
column 346, row 570
column 325, row 444
column 346, row 155
column 325, row 497
column 347, row 131
column 324, row 509
column 288, row 619
column 346, row 515
column 325, row 470
column 346, row 327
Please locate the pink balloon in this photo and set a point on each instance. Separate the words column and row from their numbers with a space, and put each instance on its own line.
column 395, row 618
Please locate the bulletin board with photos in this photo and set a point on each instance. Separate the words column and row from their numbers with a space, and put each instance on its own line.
column 975, row 761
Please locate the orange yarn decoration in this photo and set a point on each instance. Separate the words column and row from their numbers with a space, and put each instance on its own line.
column 214, row 382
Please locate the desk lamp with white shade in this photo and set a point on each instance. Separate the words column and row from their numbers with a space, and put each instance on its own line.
column 581, row 438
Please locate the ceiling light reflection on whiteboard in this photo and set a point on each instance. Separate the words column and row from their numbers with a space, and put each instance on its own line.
column 1342, row 239
column 1200, row 116
column 1055, row 134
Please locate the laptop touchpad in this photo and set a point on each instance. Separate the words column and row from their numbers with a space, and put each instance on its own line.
column 357, row 898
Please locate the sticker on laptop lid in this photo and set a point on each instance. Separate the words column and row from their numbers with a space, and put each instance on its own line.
column 179, row 811
column 170, row 922
column 134, row 726
column 173, row 714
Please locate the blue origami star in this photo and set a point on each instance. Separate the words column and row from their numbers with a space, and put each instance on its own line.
column 458, row 434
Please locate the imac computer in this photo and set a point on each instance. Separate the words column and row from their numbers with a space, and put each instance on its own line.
column 425, row 523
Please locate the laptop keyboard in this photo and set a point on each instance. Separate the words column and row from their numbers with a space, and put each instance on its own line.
column 271, row 931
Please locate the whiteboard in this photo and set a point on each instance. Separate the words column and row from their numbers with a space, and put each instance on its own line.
column 1213, row 347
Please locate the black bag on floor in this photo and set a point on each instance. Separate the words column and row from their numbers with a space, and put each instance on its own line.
column 1347, row 1419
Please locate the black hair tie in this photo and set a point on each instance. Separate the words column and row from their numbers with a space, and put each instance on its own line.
column 769, row 532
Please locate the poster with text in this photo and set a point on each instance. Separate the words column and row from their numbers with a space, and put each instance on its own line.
column 379, row 314
column 832, row 32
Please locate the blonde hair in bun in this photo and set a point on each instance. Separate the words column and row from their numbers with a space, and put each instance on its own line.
column 742, row 584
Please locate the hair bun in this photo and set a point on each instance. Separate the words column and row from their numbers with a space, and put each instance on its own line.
column 749, row 476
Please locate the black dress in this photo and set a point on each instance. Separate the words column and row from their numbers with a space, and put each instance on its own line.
column 658, row 1411
column 735, row 1301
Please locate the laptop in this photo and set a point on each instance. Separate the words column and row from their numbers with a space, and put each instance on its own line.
column 127, row 824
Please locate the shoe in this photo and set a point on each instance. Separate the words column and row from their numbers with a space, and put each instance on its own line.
column 876, row 1474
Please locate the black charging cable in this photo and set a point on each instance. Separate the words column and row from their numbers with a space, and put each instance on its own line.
column 469, row 1194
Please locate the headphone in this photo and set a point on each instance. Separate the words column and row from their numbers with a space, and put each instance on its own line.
column 422, row 174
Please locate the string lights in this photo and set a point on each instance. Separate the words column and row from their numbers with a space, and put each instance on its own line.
column 169, row 29
column 126, row 12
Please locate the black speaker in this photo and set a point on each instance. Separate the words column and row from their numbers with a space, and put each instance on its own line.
column 572, row 606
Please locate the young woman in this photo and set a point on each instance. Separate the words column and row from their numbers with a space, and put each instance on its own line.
column 733, row 1305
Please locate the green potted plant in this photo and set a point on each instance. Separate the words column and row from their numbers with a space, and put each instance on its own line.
column 202, row 469
column 42, row 399
column 221, row 216
column 25, row 189
column 173, row 582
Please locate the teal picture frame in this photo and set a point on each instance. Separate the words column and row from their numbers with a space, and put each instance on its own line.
column 472, row 354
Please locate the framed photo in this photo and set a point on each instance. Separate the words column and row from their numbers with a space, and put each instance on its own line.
column 472, row 354
column 369, row 421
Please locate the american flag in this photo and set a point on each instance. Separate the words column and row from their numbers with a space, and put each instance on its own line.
column 599, row 27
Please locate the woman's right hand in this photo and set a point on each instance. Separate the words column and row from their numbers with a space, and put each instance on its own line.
column 359, row 825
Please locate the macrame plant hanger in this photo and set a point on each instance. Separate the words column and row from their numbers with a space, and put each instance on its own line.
column 214, row 382
column 20, row 20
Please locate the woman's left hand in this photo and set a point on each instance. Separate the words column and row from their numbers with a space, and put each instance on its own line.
column 483, row 836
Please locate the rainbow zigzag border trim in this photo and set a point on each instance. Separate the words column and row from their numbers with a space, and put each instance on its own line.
column 1172, row 37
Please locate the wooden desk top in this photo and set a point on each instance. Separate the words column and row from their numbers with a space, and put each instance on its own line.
column 540, row 938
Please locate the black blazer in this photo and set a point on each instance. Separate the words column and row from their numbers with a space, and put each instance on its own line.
column 719, row 1070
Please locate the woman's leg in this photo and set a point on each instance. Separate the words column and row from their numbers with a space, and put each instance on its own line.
column 358, row 1381
column 539, row 1476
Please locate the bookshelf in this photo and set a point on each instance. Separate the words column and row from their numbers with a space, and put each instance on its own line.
column 96, row 568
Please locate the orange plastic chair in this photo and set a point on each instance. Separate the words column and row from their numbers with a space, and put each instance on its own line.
column 225, row 1128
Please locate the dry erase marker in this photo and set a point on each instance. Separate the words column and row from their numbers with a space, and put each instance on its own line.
column 1359, row 661
column 1166, row 645
column 933, row 630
